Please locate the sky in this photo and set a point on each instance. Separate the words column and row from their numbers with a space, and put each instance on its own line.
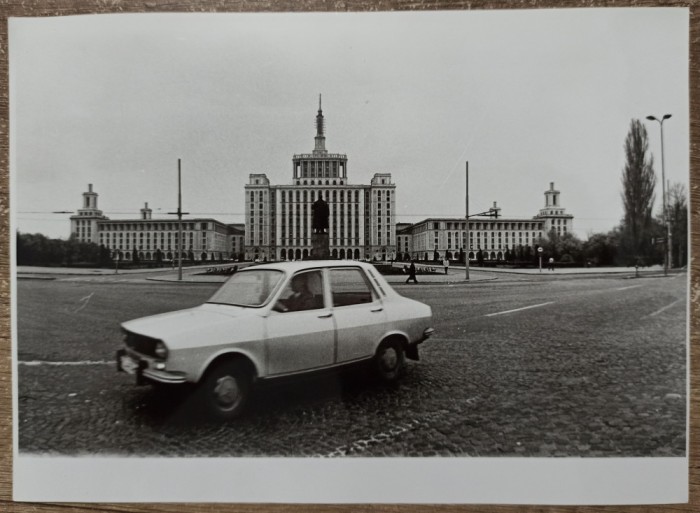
column 526, row 97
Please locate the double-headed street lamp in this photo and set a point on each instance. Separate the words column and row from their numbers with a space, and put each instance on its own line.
column 492, row 212
column 667, row 226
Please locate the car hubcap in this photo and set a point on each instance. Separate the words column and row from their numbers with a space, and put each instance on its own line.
column 227, row 393
column 389, row 358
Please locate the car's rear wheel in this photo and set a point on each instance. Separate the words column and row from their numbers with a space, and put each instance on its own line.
column 389, row 360
column 225, row 389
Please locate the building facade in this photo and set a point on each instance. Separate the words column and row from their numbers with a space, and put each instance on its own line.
column 153, row 239
column 362, row 221
column 493, row 236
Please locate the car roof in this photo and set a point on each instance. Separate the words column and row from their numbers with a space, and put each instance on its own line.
column 308, row 264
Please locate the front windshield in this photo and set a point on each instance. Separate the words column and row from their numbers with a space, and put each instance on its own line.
column 248, row 288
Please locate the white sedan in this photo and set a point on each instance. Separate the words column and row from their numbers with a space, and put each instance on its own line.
column 276, row 320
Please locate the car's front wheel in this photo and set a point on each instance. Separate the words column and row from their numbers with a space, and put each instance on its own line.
column 389, row 360
column 225, row 389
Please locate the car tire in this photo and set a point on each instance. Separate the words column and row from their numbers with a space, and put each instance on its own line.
column 224, row 391
column 389, row 360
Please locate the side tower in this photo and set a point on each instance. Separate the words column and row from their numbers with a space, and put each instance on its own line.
column 554, row 215
column 259, row 214
column 83, row 225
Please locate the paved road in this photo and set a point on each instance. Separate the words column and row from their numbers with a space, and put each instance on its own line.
column 593, row 366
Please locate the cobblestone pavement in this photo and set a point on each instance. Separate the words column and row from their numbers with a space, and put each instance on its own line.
column 599, row 370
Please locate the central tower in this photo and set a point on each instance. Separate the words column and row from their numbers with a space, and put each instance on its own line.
column 320, row 148
column 320, row 167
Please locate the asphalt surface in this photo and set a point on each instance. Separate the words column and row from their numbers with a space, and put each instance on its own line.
column 520, row 366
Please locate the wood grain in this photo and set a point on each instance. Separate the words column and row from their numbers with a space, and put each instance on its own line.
column 68, row 7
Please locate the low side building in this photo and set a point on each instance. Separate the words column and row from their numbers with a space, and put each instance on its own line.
column 154, row 239
column 493, row 236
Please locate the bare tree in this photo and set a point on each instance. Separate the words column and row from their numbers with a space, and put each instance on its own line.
column 678, row 217
column 638, row 183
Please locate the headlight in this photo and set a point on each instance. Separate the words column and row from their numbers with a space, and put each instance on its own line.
column 161, row 351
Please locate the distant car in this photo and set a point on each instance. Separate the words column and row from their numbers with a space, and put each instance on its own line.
column 276, row 320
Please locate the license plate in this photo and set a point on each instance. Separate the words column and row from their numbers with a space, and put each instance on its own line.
column 128, row 364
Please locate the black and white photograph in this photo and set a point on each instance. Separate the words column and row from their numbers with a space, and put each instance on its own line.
column 387, row 257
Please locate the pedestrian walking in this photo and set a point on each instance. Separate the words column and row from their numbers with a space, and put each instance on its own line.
column 551, row 264
column 412, row 273
column 446, row 264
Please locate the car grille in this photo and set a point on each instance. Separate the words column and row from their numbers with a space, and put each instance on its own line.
column 141, row 344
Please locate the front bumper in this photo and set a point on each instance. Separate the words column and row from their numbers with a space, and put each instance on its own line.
column 145, row 369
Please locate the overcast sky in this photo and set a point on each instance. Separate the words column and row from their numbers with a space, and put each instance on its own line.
column 527, row 97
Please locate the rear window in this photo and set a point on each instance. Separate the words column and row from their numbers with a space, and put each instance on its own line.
column 349, row 286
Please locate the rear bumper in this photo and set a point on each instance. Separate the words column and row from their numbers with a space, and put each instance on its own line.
column 412, row 349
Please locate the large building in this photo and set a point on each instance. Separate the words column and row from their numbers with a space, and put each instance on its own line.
column 493, row 236
column 278, row 218
column 151, row 239
column 362, row 222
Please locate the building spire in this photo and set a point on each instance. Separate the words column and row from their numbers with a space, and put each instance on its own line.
column 320, row 145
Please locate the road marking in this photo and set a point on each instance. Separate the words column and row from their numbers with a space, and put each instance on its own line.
column 85, row 301
column 423, row 422
column 664, row 308
column 519, row 309
column 36, row 363
column 630, row 287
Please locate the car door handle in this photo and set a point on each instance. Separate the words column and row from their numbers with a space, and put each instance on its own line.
column 323, row 316
column 377, row 309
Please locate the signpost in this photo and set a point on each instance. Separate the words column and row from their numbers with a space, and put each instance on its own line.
column 539, row 252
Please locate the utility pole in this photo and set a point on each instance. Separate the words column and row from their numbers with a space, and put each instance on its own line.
column 179, row 215
column 466, row 254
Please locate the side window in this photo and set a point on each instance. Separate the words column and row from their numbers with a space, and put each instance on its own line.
column 303, row 292
column 349, row 287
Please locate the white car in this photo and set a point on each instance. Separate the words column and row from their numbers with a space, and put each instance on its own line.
column 274, row 320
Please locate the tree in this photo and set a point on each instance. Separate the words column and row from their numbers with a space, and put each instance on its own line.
column 638, row 183
column 602, row 248
column 565, row 247
column 678, row 219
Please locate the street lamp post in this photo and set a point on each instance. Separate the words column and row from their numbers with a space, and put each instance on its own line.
column 179, row 215
column 667, row 226
column 466, row 255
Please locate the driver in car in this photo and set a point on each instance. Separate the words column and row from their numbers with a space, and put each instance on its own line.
column 301, row 298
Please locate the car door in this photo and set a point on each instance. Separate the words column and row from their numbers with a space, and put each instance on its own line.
column 358, row 311
column 300, row 328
